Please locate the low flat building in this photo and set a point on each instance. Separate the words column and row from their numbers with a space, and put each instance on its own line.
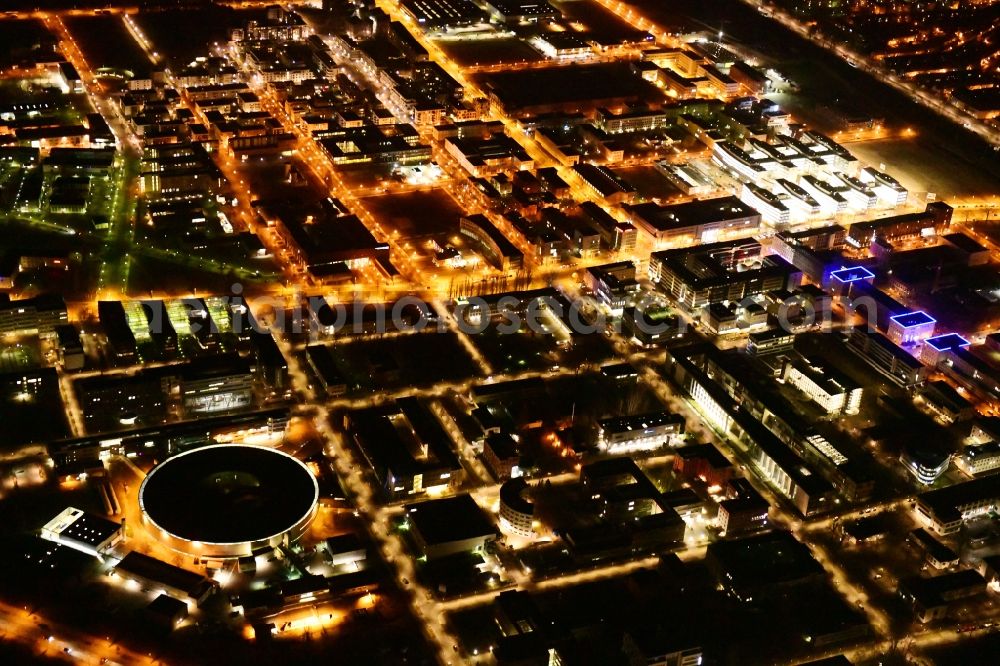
column 653, row 325
column 946, row 509
column 704, row 220
column 985, row 429
column 971, row 251
column 634, row 514
column 77, row 454
column 810, row 250
column 345, row 549
column 721, row 82
column 721, row 319
column 641, row 432
column 936, row 348
column 910, row 327
column 926, row 460
column 764, row 565
column 152, row 573
column 751, row 78
column 605, row 183
column 443, row 527
column 166, row 612
column 658, row 645
column 687, row 177
column 83, row 531
column 71, row 353
column 371, row 145
column 273, row 602
column 938, row 555
column 563, row 45
column 444, row 14
column 931, row 598
column 639, row 119
column 406, row 447
column 324, row 365
column 521, row 11
column 867, row 529
column 324, row 239
column 121, row 340
column 598, row 476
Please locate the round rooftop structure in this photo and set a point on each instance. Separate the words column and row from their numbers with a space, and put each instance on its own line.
column 228, row 500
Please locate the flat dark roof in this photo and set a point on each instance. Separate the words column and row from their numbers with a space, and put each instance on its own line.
column 523, row 7
column 852, row 274
column 514, row 388
column 387, row 449
column 964, row 242
column 89, row 158
column 344, row 543
column 343, row 234
column 162, row 433
column 450, row 519
column 712, row 455
column 435, row 13
column 502, row 444
column 947, row 341
column 944, row 502
column 208, row 367
column 641, row 421
column 152, row 569
column 932, row 546
column 41, row 303
column 165, row 606
column 588, row 85
column 866, row 528
column 692, row 213
column 90, row 529
column 765, row 559
column 611, row 467
column 938, row 590
column 911, row 319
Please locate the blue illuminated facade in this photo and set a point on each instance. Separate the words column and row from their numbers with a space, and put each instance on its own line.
column 939, row 345
column 852, row 274
column 911, row 327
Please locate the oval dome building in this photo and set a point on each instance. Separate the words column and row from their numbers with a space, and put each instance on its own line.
column 228, row 500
